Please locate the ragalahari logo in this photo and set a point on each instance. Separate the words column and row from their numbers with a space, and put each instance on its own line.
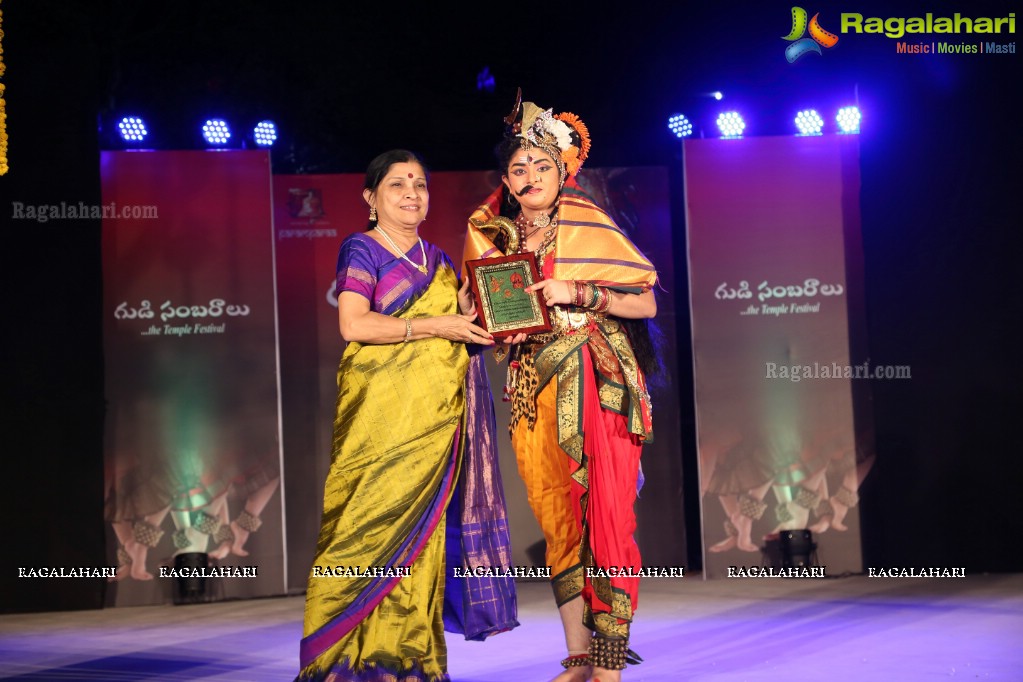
column 818, row 36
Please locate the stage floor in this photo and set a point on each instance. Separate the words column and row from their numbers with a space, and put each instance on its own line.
column 766, row 629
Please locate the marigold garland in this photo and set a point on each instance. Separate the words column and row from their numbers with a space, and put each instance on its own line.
column 584, row 137
column 3, row 104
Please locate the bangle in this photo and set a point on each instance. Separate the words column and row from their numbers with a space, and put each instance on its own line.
column 593, row 293
column 605, row 300
column 408, row 330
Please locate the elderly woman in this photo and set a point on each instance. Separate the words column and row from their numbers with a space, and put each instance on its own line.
column 413, row 457
column 580, row 407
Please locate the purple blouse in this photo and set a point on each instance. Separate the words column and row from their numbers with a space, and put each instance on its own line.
column 365, row 267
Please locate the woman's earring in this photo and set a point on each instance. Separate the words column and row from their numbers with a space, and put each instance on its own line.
column 372, row 214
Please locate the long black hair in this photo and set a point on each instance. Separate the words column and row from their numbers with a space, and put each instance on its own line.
column 377, row 169
column 647, row 343
column 504, row 151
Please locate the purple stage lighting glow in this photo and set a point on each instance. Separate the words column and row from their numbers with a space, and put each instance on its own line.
column 485, row 80
column 680, row 126
column 809, row 122
column 848, row 119
column 265, row 133
column 216, row 132
column 731, row 124
column 133, row 129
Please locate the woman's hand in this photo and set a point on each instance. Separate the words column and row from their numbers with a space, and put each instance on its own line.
column 460, row 328
column 554, row 291
column 512, row 340
column 466, row 301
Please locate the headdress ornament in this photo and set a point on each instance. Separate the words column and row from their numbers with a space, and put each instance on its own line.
column 563, row 136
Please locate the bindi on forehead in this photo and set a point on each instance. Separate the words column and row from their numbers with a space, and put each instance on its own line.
column 410, row 176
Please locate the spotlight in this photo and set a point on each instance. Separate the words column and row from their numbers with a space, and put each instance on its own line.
column 848, row 119
column 809, row 122
column 718, row 95
column 265, row 133
column 798, row 549
column 132, row 129
column 730, row 124
column 680, row 126
column 485, row 80
column 191, row 584
column 216, row 132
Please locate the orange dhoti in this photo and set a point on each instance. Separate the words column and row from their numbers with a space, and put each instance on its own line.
column 583, row 501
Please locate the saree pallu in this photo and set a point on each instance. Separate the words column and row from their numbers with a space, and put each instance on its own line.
column 589, row 246
column 400, row 434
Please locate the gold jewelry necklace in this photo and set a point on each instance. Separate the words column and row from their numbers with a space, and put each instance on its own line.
column 535, row 230
column 538, row 223
column 422, row 249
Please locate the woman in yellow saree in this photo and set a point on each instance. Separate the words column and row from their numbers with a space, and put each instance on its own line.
column 413, row 462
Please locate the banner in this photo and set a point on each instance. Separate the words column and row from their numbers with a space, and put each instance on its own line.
column 773, row 226
column 314, row 213
column 192, row 431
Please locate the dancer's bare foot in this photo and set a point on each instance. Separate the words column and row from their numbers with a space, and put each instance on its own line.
column 744, row 530
column 138, row 553
column 604, row 675
column 575, row 674
column 821, row 526
column 747, row 546
column 798, row 517
column 122, row 572
column 840, row 511
column 724, row 545
column 221, row 551
column 729, row 541
column 240, row 536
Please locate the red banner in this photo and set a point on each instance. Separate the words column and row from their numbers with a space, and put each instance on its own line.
column 768, row 222
column 192, row 431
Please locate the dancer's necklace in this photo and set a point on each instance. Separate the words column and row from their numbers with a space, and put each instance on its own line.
column 422, row 249
column 538, row 223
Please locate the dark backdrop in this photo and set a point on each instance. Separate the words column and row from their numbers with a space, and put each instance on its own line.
column 940, row 150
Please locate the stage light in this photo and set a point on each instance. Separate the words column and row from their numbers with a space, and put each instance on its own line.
column 132, row 129
column 731, row 124
column 485, row 80
column 809, row 122
column 191, row 581
column 718, row 95
column 216, row 132
column 680, row 126
column 798, row 550
column 265, row 133
column 848, row 119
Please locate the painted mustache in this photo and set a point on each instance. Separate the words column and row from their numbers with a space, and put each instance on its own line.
column 524, row 191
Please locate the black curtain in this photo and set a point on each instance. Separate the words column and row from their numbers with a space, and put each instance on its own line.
column 53, row 384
